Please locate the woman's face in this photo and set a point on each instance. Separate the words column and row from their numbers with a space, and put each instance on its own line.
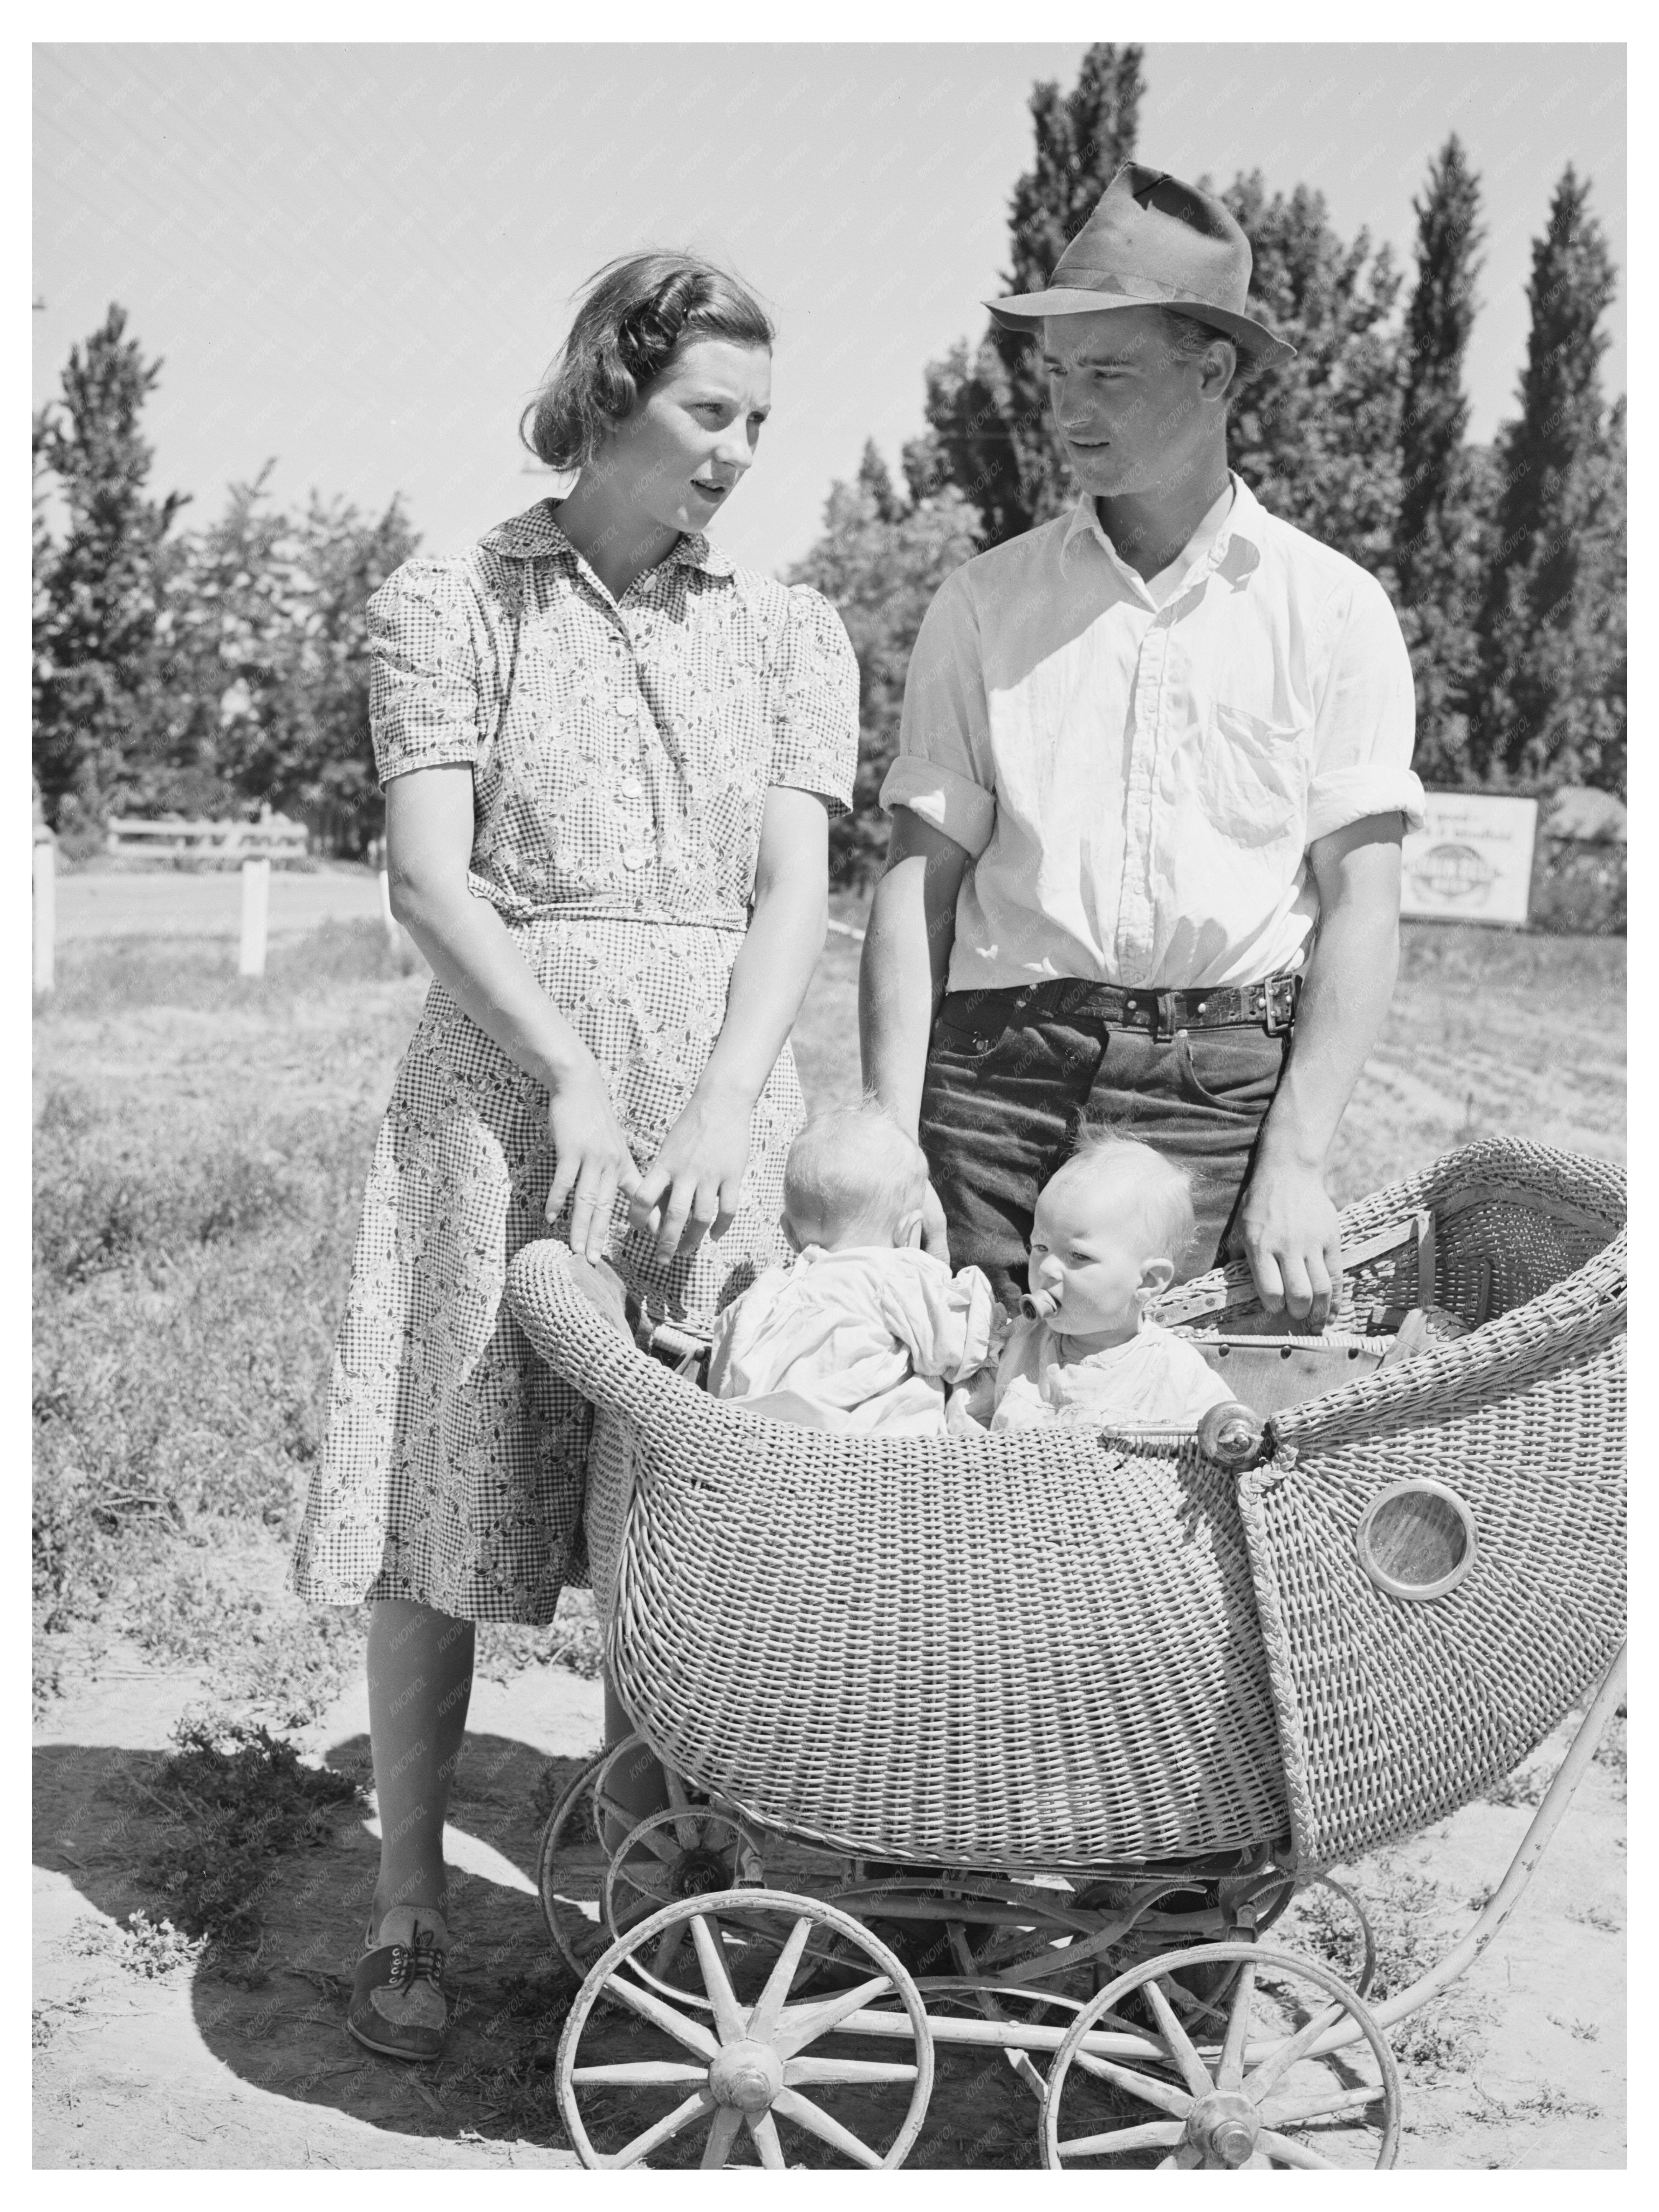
column 683, row 450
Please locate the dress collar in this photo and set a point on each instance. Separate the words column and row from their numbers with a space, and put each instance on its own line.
column 535, row 535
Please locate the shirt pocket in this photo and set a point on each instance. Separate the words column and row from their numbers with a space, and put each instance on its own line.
column 1253, row 777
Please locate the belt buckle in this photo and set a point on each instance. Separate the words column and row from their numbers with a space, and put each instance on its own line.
column 1279, row 991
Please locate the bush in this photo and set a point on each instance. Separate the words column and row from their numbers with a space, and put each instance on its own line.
column 1578, row 889
column 242, row 1798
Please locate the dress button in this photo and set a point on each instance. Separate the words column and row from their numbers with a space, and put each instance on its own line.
column 631, row 787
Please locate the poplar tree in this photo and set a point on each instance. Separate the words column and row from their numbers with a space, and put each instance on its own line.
column 987, row 412
column 99, row 613
column 1317, row 438
column 1436, row 537
column 1552, row 615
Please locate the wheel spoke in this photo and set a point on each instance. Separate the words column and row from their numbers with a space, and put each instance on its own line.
column 1147, row 2087
column 1183, row 2154
column 1117, row 2143
column 641, row 2070
column 1318, row 2106
column 721, row 2136
column 1278, row 2062
column 1294, row 2154
column 1195, row 2073
column 764, row 2130
column 811, row 2073
column 764, row 2018
column 670, row 1944
column 664, row 1847
column 799, row 2024
column 692, row 2032
column 817, row 2121
column 682, row 2116
column 728, row 2013
column 1230, row 2069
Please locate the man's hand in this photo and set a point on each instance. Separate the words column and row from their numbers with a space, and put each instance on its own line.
column 1289, row 1232
column 1288, row 1225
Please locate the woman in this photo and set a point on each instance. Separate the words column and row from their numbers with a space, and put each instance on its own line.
column 608, row 756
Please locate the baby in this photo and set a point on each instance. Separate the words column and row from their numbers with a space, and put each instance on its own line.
column 1109, row 1229
column 864, row 1330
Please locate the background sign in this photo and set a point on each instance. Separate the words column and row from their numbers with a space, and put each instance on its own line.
column 1471, row 859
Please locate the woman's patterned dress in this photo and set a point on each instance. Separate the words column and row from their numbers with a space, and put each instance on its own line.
column 621, row 753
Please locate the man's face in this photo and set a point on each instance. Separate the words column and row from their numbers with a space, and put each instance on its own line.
column 1132, row 412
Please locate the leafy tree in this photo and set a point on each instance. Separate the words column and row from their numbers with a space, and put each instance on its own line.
column 989, row 426
column 1552, row 619
column 99, row 595
column 1437, row 532
column 271, row 666
column 316, row 760
column 1317, row 438
column 879, row 561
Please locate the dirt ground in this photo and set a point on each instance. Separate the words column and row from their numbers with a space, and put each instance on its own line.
column 181, row 903
column 143, row 2059
column 1525, row 2069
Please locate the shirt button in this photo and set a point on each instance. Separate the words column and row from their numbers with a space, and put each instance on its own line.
column 631, row 787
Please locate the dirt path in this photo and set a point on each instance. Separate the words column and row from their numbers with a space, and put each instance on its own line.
column 175, row 902
column 1523, row 2069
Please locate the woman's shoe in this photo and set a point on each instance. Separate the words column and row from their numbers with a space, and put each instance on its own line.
column 397, row 2008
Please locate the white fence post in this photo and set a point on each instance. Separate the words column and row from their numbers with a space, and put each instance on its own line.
column 256, row 916
column 45, row 912
column 387, row 915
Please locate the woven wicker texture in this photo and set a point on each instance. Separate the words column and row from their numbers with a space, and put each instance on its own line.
column 1039, row 1651
column 1027, row 1651
column 1396, row 1711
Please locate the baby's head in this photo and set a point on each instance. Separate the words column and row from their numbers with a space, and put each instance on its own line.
column 1110, row 1229
column 854, row 1177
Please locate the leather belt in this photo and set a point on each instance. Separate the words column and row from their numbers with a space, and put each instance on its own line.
column 1270, row 1005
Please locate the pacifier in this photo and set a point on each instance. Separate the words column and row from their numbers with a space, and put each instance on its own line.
column 1037, row 1305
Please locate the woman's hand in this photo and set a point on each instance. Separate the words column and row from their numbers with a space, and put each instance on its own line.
column 690, row 1190
column 590, row 1158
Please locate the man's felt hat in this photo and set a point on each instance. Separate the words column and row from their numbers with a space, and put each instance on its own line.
column 1154, row 242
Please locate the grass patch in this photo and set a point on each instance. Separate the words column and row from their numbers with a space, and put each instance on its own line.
column 1407, row 1914
column 237, row 1798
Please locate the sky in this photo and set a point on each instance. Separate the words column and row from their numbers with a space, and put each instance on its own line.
column 358, row 260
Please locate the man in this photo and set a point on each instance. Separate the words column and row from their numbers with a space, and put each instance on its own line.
column 1153, row 772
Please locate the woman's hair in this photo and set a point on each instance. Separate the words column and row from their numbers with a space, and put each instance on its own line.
column 634, row 315
column 853, row 1164
column 1158, row 1190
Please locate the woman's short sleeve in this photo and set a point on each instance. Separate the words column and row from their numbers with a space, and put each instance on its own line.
column 426, row 703
column 815, row 718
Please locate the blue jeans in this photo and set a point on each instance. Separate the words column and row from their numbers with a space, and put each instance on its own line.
column 1011, row 1080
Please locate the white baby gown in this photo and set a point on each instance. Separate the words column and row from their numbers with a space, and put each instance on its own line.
column 1155, row 1381
column 863, row 1340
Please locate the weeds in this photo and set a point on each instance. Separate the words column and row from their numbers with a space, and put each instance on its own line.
column 239, row 1798
column 1404, row 1911
column 154, row 1950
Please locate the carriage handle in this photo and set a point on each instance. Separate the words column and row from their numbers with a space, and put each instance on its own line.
column 1504, row 1899
column 566, row 1308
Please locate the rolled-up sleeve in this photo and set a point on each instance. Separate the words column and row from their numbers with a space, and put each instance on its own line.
column 815, row 721
column 425, row 695
column 944, row 771
column 1366, row 720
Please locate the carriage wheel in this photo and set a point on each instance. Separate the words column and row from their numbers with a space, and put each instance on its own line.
column 730, row 2081
column 688, row 1851
column 570, row 1870
column 574, row 1855
column 1250, row 2098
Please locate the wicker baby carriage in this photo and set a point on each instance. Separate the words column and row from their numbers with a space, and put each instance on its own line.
column 1072, row 1696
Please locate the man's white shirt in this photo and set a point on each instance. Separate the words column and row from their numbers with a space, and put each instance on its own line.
column 1137, row 770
